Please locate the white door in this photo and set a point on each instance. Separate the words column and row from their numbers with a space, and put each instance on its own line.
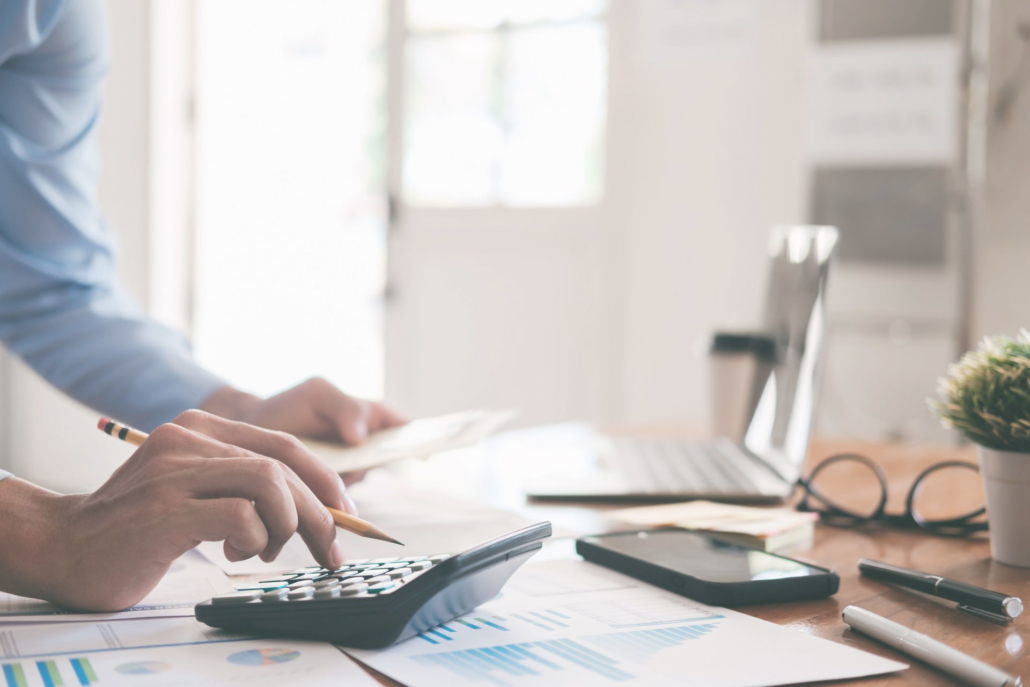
column 498, row 273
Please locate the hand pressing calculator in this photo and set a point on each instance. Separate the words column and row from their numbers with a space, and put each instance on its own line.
column 373, row 604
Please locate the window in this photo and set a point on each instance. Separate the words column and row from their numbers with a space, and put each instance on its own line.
column 504, row 103
column 290, row 219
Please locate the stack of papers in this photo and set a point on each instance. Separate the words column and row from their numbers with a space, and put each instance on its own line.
column 158, row 642
column 767, row 529
column 162, row 652
column 190, row 580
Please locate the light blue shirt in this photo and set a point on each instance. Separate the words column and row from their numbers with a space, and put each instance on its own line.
column 62, row 308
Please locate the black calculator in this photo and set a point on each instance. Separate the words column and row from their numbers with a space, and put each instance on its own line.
column 370, row 604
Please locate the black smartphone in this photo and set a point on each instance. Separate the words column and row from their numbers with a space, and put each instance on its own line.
column 707, row 569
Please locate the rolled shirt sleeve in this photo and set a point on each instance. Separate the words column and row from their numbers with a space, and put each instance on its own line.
column 62, row 307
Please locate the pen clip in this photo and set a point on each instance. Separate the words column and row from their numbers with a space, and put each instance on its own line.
column 986, row 615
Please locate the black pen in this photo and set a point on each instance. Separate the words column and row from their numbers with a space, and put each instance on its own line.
column 977, row 600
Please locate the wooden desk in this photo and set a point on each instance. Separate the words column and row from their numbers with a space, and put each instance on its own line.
column 964, row 559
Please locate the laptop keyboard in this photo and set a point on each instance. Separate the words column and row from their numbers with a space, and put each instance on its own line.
column 656, row 466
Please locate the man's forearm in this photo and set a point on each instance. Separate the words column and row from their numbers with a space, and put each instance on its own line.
column 101, row 350
column 30, row 550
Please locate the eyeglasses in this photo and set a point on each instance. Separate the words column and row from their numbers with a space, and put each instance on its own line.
column 960, row 521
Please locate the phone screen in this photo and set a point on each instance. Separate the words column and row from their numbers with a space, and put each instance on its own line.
column 703, row 557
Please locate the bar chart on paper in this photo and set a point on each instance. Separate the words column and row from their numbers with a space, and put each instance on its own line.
column 510, row 647
column 598, row 628
column 50, row 672
column 603, row 654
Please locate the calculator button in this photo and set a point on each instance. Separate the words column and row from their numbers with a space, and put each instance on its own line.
column 376, row 580
column 385, row 560
column 421, row 565
column 237, row 598
column 381, row 587
column 302, row 593
column 300, row 584
column 312, row 568
column 262, row 587
column 399, row 572
column 310, row 576
column 366, row 566
column 415, row 559
column 345, row 575
column 328, row 593
column 377, row 571
column 438, row 558
column 327, row 583
column 281, row 578
column 353, row 583
column 352, row 589
column 275, row 595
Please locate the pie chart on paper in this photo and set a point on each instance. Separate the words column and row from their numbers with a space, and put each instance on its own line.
column 263, row 657
column 143, row 668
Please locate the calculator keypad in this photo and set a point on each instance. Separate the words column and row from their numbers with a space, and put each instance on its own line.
column 356, row 579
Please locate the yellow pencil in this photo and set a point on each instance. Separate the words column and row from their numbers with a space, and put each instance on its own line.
column 360, row 527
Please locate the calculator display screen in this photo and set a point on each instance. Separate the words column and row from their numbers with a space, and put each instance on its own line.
column 703, row 557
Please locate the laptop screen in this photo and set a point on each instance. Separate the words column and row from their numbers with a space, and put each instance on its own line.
column 795, row 318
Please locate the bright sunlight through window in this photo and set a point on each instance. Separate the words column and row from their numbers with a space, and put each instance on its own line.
column 290, row 235
column 505, row 102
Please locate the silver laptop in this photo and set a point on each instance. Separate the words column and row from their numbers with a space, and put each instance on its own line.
column 765, row 465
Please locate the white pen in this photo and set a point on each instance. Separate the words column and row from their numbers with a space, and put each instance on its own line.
column 951, row 661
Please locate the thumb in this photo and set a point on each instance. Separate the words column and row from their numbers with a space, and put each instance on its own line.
column 352, row 422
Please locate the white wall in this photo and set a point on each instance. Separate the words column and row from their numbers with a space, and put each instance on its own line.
column 715, row 159
column 1002, row 250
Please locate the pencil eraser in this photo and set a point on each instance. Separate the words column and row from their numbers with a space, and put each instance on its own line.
column 102, row 425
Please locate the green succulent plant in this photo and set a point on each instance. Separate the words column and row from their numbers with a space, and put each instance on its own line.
column 986, row 395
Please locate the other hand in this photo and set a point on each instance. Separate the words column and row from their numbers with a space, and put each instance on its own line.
column 315, row 409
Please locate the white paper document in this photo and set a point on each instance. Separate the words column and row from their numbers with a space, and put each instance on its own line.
column 564, row 623
column 164, row 652
column 190, row 580
column 416, row 439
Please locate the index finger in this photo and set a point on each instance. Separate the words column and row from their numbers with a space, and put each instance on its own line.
column 323, row 482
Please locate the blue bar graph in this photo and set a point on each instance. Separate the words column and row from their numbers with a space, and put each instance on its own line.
column 601, row 654
column 644, row 643
column 437, row 634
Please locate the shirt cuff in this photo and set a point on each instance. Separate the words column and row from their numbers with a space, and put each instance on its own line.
column 4, row 475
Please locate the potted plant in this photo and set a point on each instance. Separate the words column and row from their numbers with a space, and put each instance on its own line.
column 986, row 396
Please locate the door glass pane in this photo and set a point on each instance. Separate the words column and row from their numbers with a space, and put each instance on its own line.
column 507, row 109
column 453, row 138
column 534, row 11
column 447, row 15
column 290, row 256
column 554, row 110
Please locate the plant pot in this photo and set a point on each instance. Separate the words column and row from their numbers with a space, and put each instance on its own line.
column 1006, row 479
